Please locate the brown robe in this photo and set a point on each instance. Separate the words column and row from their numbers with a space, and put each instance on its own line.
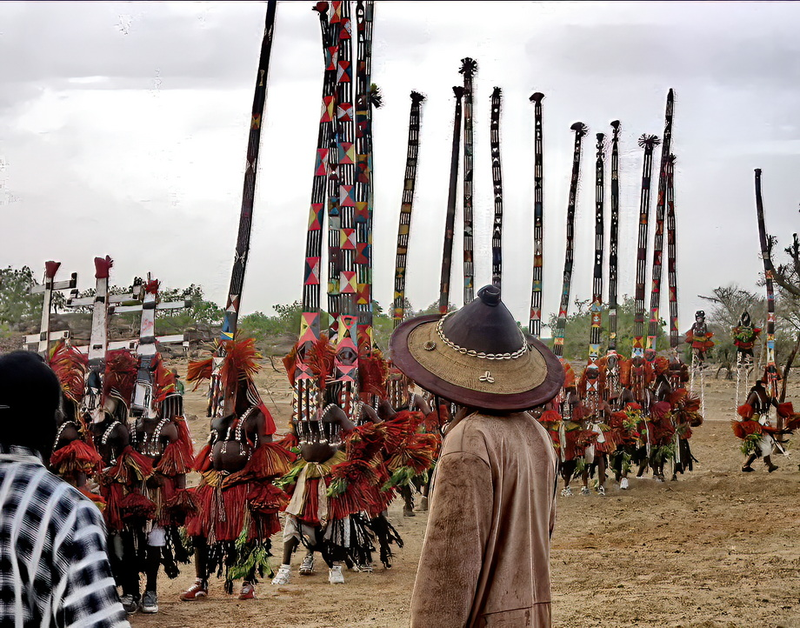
column 486, row 556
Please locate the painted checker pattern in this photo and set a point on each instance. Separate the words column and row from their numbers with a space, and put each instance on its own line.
column 406, row 207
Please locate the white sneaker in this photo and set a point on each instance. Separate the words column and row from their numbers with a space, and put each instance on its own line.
column 566, row 492
column 150, row 602
column 283, row 576
column 601, row 490
column 623, row 484
column 585, row 491
column 335, row 575
column 307, row 566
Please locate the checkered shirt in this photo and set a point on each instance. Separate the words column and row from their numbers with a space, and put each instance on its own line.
column 54, row 569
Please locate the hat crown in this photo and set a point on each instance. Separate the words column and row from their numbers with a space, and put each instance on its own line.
column 485, row 325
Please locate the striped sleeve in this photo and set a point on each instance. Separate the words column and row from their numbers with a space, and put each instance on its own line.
column 87, row 597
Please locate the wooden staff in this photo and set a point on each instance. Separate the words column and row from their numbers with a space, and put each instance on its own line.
column 561, row 324
column 346, row 360
column 597, row 275
column 497, row 187
column 366, row 98
column 648, row 143
column 613, row 247
column 341, row 99
column 406, row 207
column 468, row 69
column 535, row 323
column 233, row 301
column 305, row 399
column 658, row 240
column 450, row 219
column 672, row 254
column 771, row 371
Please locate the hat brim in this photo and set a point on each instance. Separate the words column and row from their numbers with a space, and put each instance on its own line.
column 517, row 384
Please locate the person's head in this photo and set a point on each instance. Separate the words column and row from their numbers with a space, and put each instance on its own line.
column 478, row 357
column 29, row 399
column 699, row 316
column 744, row 319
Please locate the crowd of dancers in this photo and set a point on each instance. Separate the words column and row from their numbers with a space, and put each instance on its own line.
column 333, row 477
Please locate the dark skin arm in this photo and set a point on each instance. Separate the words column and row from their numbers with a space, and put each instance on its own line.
column 368, row 414
column 418, row 403
column 118, row 440
column 385, row 410
column 320, row 452
column 169, row 434
column 257, row 426
column 68, row 435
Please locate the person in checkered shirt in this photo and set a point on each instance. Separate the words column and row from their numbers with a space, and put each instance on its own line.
column 54, row 568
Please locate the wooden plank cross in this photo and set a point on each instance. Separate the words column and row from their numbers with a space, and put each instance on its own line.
column 47, row 287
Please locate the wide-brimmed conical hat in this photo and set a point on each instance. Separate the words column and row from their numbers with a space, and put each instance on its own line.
column 477, row 356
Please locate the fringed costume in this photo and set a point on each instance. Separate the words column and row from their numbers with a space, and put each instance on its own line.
column 755, row 427
column 74, row 457
column 596, row 413
column 618, row 374
column 237, row 502
column 336, row 484
column 563, row 420
column 161, row 435
column 699, row 337
column 124, row 472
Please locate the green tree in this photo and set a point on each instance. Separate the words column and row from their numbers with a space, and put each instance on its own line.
column 286, row 321
column 433, row 308
column 18, row 308
column 200, row 310
column 576, row 336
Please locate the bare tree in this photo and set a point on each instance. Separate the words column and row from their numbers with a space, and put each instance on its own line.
column 787, row 278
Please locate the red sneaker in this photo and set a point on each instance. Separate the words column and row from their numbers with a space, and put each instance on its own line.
column 197, row 591
column 248, row 591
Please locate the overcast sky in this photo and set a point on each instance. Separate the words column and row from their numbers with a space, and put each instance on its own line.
column 123, row 129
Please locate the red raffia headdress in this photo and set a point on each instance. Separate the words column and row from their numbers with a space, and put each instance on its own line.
column 661, row 365
column 120, row 376
column 163, row 380
column 319, row 358
column 239, row 362
column 373, row 371
column 70, row 367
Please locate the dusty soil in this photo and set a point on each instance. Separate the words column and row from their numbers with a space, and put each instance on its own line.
column 718, row 548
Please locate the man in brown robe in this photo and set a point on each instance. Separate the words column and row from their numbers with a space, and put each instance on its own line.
column 485, row 559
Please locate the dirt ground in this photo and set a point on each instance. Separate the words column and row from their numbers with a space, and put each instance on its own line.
column 718, row 548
